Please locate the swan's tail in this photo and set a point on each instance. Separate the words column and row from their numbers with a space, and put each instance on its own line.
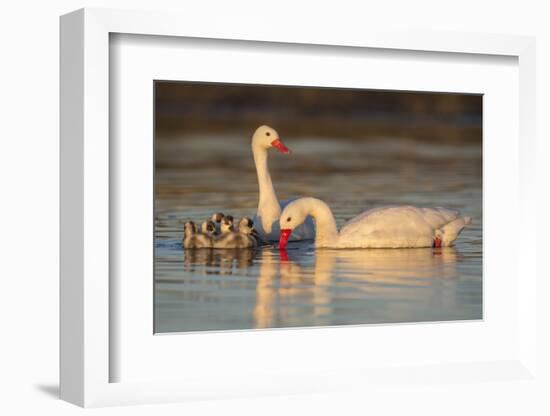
column 450, row 231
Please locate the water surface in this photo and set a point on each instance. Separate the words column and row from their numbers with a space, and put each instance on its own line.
column 198, row 290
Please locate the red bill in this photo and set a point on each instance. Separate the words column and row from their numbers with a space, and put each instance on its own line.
column 283, row 237
column 278, row 144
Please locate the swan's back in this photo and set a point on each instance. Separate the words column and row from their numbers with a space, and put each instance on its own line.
column 401, row 226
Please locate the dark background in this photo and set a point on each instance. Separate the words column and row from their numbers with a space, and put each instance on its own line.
column 186, row 108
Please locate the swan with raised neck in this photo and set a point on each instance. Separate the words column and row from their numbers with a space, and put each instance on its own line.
column 269, row 210
column 266, row 220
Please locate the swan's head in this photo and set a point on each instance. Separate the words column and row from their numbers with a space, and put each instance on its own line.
column 208, row 227
column 189, row 228
column 266, row 137
column 292, row 216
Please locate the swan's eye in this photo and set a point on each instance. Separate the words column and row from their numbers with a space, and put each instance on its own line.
column 288, row 219
column 267, row 133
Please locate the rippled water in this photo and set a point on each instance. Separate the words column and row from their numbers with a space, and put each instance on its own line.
column 230, row 289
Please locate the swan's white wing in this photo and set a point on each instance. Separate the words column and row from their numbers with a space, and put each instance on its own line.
column 406, row 214
column 398, row 226
column 385, row 220
column 437, row 217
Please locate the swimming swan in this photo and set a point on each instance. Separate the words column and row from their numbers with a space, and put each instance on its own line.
column 386, row 227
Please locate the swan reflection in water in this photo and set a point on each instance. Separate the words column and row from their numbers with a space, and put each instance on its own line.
column 308, row 287
column 339, row 283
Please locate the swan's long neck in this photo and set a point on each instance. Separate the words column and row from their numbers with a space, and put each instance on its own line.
column 326, row 233
column 267, row 192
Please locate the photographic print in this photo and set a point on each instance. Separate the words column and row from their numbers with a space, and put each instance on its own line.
column 290, row 206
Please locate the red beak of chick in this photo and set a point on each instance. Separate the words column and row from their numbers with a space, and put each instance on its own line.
column 278, row 144
column 283, row 237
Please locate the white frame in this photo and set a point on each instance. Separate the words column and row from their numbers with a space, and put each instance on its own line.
column 85, row 193
column 138, row 60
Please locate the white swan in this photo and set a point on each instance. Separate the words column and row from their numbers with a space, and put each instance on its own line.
column 266, row 220
column 386, row 227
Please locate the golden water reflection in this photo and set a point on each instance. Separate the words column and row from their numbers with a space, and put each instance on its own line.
column 324, row 284
column 368, row 272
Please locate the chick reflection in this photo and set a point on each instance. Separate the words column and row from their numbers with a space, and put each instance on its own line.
column 290, row 289
column 220, row 262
